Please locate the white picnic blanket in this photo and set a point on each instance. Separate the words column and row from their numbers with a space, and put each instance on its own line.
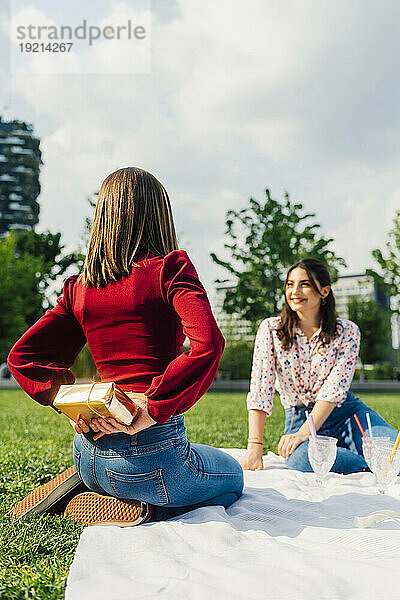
column 284, row 539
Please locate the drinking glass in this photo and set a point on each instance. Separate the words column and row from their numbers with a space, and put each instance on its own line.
column 321, row 454
column 367, row 447
column 385, row 464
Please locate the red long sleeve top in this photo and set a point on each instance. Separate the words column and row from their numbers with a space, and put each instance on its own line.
column 135, row 329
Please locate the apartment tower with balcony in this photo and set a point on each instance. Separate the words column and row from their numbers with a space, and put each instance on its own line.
column 20, row 160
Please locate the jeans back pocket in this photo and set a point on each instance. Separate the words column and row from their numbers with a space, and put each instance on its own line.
column 148, row 487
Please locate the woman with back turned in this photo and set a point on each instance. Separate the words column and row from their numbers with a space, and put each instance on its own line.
column 309, row 356
column 135, row 301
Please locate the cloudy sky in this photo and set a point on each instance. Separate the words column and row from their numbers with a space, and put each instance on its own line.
column 297, row 95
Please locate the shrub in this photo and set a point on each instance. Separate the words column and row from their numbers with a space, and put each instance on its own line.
column 236, row 360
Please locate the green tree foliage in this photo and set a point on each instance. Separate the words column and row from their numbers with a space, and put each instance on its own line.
column 374, row 324
column 264, row 239
column 389, row 263
column 30, row 263
column 55, row 263
column 19, row 277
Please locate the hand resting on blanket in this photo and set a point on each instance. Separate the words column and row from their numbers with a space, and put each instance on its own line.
column 252, row 460
column 102, row 427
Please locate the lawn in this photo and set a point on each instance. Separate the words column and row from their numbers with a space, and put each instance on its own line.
column 35, row 553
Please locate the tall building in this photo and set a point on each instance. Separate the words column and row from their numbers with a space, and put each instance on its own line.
column 362, row 286
column 20, row 160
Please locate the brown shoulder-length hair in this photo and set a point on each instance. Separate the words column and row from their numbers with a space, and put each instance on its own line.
column 133, row 218
column 316, row 270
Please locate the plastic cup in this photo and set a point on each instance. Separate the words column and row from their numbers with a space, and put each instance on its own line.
column 321, row 454
column 367, row 447
column 385, row 464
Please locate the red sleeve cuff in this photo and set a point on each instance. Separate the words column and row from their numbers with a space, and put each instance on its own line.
column 156, row 413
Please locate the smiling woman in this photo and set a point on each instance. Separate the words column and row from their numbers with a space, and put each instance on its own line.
column 308, row 355
column 309, row 301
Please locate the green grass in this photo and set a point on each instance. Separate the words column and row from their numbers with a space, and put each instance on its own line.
column 36, row 444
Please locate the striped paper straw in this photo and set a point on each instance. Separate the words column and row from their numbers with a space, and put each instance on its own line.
column 359, row 425
column 311, row 425
column 396, row 444
column 313, row 431
column 369, row 426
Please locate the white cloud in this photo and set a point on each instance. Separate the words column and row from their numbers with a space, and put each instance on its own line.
column 367, row 207
column 85, row 53
column 35, row 62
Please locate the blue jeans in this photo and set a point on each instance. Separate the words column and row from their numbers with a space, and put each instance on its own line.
column 159, row 466
column 341, row 425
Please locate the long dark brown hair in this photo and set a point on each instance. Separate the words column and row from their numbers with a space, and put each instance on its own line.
column 133, row 218
column 316, row 270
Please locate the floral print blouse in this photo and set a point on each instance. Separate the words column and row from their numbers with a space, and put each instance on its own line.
column 307, row 372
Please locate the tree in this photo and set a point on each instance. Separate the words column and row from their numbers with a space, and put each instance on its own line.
column 374, row 324
column 389, row 264
column 30, row 263
column 264, row 240
column 388, row 273
column 19, row 278
column 54, row 264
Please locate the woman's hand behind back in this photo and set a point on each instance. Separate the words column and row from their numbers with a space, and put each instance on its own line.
column 142, row 421
column 102, row 427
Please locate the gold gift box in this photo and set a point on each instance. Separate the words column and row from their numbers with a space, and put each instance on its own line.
column 90, row 400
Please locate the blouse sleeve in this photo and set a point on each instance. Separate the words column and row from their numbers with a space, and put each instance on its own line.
column 41, row 358
column 262, row 383
column 188, row 376
column 337, row 384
